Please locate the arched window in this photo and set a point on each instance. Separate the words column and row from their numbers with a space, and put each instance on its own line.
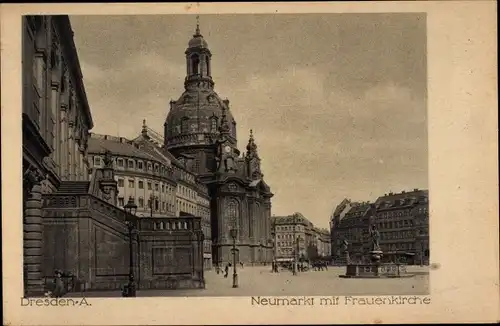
column 209, row 73
column 232, row 213
column 195, row 63
column 184, row 124
column 213, row 124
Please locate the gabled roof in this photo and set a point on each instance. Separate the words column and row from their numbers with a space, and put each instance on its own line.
column 98, row 144
column 403, row 198
column 358, row 209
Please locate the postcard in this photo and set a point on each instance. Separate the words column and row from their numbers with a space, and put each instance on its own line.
column 240, row 163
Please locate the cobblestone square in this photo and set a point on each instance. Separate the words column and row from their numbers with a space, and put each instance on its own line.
column 259, row 281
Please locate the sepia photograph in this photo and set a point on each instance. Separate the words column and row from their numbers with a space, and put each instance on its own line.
column 303, row 173
column 286, row 159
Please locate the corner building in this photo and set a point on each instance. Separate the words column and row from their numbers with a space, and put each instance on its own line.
column 401, row 218
column 200, row 131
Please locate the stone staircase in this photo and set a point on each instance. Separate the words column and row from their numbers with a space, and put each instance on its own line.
column 73, row 187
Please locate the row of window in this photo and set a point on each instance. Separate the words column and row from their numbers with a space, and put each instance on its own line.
column 394, row 225
column 398, row 246
column 184, row 191
column 140, row 185
column 185, row 126
column 396, row 235
column 407, row 212
column 286, row 243
column 186, row 207
column 289, row 228
column 287, row 236
column 135, row 164
column 157, row 205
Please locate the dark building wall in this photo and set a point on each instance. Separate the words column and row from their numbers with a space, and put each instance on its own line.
column 56, row 119
column 88, row 238
column 402, row 220
column 171, row 253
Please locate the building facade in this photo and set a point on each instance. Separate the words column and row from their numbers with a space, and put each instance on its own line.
column 290, row 237
column 402, row 220
column 322, row 242
column 296, row 237
column 55, row 119
column 200, row 132
column 157, row 182
column 71, row 218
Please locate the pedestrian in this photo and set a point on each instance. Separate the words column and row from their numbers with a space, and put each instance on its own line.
column 241, row 264
column 217, row 269
column 226, row 271
column 58, row 284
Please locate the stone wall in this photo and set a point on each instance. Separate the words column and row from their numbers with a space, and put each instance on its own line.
column 90, row 240
column 171, row 253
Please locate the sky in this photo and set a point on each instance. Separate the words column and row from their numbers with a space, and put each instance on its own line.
column 337, row 102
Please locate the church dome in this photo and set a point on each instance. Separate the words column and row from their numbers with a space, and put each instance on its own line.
column 195, row 117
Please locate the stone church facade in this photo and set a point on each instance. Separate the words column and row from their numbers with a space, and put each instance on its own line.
column 200, row 130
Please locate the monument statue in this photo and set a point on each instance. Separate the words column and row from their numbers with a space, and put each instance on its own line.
column 375, row 238
column 345, row 250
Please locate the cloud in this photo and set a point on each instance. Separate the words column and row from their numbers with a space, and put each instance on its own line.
column 337, row 102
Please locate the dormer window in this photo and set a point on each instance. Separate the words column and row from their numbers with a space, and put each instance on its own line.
column 139, row 165
column 97, row 161
column 119, row 162
column 130, row 164
column 150, row 166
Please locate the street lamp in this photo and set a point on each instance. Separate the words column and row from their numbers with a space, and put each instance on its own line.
column 234, row 233
column 130, row 221
column 271, row 243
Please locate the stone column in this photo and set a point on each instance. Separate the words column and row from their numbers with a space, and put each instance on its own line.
column 244, row 221
column 63, row 141
column 251, row 221
column 55, row 111
column 32, row 233
column 76, row 160
column 70, row 151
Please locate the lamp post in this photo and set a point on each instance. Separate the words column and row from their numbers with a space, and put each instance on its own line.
column 295, row 253
column 130, row 221
column 271, row 243
column 234, row 233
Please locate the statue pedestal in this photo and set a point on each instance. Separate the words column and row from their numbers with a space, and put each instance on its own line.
column 376, row 271
column 375, row 256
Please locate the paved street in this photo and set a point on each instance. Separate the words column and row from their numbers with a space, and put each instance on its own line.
column 259, row 280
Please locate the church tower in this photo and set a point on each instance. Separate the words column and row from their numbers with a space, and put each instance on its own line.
column 200, row 125
column 193, row 121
